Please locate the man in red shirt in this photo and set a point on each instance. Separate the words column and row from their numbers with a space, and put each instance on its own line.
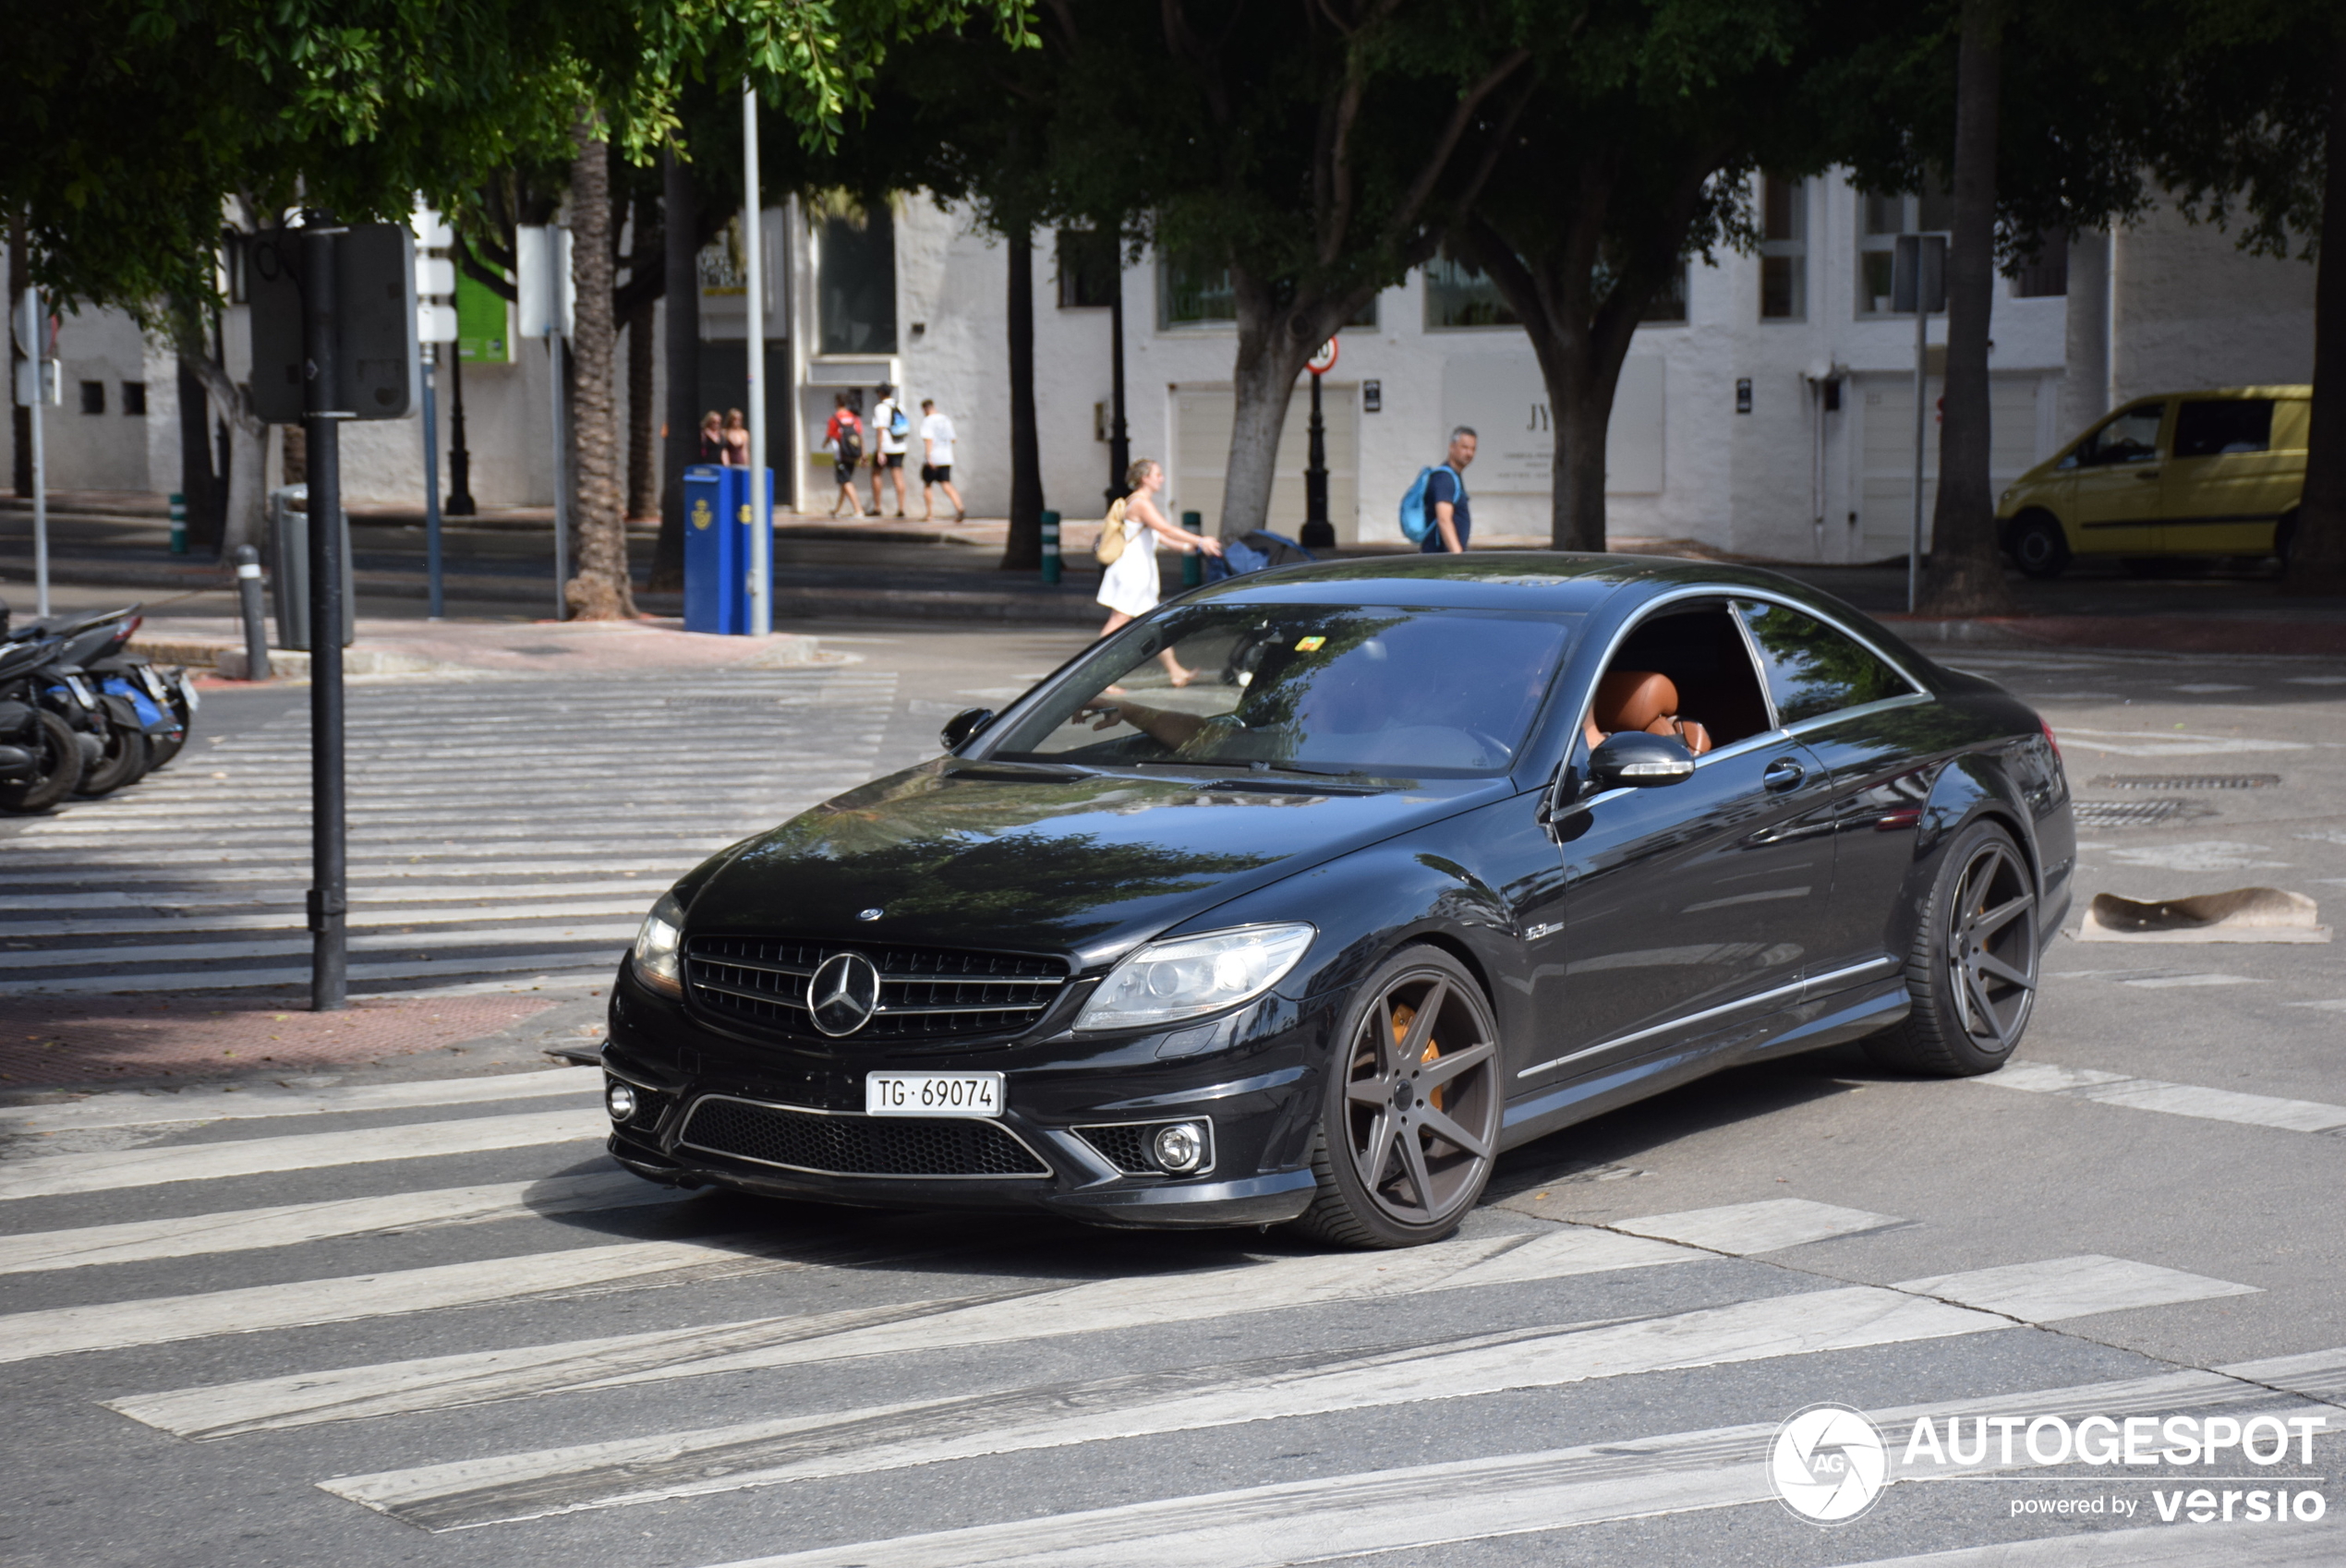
column 844, row 437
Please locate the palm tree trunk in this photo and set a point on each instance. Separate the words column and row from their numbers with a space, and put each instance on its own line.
column 2317, row 553
column 600, row 590
column 1967, row 576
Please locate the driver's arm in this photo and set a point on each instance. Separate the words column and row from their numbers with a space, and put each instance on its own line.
column 1174, row 730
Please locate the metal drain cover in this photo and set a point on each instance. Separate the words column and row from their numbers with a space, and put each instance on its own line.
column 2185, row 781
column 2129, row 814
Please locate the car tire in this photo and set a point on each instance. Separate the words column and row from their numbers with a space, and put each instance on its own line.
column 1408, row 1123
column 60, row 769
column 2038, row 547
column 1972, row 971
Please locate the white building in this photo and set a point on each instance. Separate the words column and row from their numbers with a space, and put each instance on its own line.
column 1767, row 411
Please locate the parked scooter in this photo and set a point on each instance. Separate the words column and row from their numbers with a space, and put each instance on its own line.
column 142, row 714
column 41, row 754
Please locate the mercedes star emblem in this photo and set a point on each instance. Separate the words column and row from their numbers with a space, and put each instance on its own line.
column 869, row 914
column 843, row 993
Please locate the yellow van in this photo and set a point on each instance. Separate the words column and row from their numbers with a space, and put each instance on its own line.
column 2199, row 472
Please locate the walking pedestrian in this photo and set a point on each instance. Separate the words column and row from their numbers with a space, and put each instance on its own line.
column 713, row 437
column 843, row 437
column 1445, row 499
column 1129, row 588
column 936, row 460
column 736, row 436
column 891, row 436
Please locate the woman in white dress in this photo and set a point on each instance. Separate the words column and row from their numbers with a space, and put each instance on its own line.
column 1129, row 588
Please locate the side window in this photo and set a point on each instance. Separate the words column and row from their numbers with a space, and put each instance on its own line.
column 1813, row 669
column 2132, row 437
column 2213, row 428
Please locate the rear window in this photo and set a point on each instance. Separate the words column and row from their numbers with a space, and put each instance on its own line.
column 2213, row 428
column 1386, row 689
column 1813, row 669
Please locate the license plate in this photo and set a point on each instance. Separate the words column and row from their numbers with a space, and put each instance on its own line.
column 187, row 690
column 153, row 682
column 933, row 1094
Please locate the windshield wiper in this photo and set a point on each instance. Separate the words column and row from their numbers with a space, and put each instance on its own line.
column 1040, row 772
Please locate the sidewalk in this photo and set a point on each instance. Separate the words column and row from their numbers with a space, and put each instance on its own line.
column 499, row 567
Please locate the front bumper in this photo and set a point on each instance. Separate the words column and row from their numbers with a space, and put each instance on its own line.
column 1254, row 1074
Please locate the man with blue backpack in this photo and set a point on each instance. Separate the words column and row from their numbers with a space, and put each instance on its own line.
column 893, row 432
column 1433, row 512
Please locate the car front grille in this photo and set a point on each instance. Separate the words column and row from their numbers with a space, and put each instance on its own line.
column 925, row 993
column 1125, row 1147
column 854, row 1144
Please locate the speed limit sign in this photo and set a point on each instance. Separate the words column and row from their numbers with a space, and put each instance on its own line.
column 1322, row 362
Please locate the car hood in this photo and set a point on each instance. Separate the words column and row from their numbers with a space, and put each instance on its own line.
column 965, row 856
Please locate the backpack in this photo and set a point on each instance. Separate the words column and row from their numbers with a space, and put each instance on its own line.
column 899, row 427
column 851, row 440
column 1416, row 513
column 1111, row 540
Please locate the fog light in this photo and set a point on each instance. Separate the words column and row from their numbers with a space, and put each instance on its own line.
column 1178, row 1148
column 620, row 1100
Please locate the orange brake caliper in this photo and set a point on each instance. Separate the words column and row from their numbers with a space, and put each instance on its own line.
column 1403, row 1016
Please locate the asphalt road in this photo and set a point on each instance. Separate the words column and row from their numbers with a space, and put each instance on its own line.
column 399, row 1320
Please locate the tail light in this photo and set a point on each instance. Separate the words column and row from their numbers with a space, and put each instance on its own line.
column 2050, row 741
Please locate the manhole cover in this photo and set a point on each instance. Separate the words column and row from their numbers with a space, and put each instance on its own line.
column 2185, row 781
column 2124, row 814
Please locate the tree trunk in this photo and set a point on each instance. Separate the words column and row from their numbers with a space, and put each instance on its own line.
column 600, row 590
column 643, row 420
column 1022, row 549
column 247, row 459
column 680, row 226
column 198, row 486
column 292, row 466
column 2317, row 553
column 1274, row 344
column 1966, row 574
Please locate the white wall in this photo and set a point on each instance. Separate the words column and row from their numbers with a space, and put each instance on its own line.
column 2194, row 311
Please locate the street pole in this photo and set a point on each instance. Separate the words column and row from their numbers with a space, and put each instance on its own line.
column 437, row 603
column 329, row 893
column 562, row 465
column 1913, row 540
column 35, row 322
column 1120, row 436
column 761, row 531
column 1316, row 530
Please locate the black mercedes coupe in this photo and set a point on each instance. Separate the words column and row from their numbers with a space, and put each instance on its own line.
column 1306, row 895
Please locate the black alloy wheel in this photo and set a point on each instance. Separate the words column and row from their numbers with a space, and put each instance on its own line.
column 1973, row 971
column 2038, row 547
column 59, row 767
column 1409, row 1120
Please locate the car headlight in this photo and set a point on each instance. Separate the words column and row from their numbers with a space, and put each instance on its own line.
column 1188, row 975
column 658, row 947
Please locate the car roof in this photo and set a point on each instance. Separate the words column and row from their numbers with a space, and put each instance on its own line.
column 1548, row 580
column 2297, row 393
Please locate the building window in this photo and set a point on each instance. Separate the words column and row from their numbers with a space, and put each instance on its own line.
column 855, row 286
column 1881, row 219
column 134, row 397
column 93, row 397
column 1784, row 248
column 1190, row 295
column 2046, row 275
column 1459, row 295
column 1089, row 268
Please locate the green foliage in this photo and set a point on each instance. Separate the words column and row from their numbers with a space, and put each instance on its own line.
column 136, row 127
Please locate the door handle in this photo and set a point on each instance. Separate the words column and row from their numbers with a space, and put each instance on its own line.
column 1783, row 773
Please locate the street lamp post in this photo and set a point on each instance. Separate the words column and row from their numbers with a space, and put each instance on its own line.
column 1120, row 434
column 761, row 533
column 1318, row 532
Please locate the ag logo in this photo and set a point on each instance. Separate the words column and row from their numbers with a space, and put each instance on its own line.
column 1828, row 1463
column 701, row 517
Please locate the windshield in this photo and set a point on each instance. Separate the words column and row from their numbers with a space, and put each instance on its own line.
column 1427, row 692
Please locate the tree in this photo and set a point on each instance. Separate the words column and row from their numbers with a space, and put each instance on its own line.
column 1633, row 153
column 600, row 590
column 1965, row 576
column 2254, row 129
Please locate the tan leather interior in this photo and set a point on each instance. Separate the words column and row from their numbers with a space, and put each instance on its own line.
column 1644, row 699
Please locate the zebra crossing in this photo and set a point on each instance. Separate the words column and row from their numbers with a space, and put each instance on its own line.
column 505, row 831
column 424, row 1322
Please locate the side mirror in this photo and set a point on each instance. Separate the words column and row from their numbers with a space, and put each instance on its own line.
column 1634, row 759
column 963, row 725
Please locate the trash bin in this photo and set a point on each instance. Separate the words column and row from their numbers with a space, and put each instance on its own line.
column 289, row 568
column 718, row 520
